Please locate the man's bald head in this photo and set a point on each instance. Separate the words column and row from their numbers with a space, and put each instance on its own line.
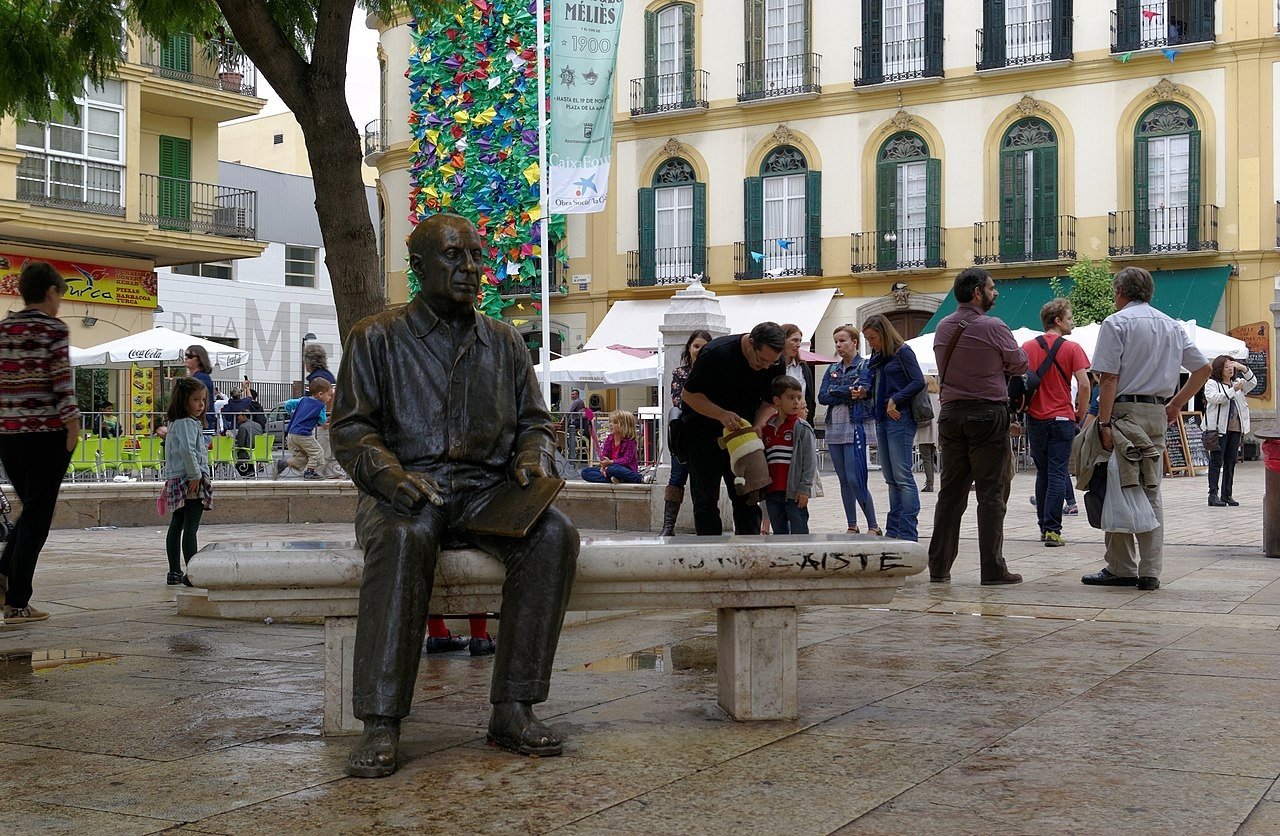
column 445, row 253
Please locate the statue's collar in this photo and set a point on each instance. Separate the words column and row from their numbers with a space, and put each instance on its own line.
column 422, row 320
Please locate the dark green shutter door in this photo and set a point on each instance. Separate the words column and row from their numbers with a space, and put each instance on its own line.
column 872, row 43
column 648, row 224
column 174, row 193
column 813, row 223
column 1141, row 218
column 1013, row 210
column 175, row 54
column 754, row 76
column 686, row 28
column 1128, row 26
column 1193, row 191
column 1044, row 184
column 650, row 61
column 700, row 230
column 886, row 214
column 1201, row 24
column 753, row 193
column 933, row 212
column 808, row 44
column 992, row 34
column 933, row 38
column 1062, row 47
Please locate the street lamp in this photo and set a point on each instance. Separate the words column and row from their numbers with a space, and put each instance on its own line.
column 305, row 337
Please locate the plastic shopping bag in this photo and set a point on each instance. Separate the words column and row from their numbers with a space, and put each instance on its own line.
column 1126, row 509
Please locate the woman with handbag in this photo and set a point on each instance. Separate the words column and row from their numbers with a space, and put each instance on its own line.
column 1226, row 420
column 896, row 380
column 679, row 472
column 844, row 385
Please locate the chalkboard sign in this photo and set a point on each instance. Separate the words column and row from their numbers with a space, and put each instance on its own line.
column 1175, row 451
column 1193, row 429
column 1257, row 363
column 1257, row 338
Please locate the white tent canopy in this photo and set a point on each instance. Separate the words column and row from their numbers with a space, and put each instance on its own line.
column 635, row 322
column 159, row 346
column 603, row 366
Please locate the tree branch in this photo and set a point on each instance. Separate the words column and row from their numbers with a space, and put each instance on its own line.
column 271, row 49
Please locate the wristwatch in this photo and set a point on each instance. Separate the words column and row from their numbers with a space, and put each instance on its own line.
column 1106, row 425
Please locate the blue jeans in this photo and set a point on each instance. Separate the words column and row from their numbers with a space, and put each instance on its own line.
column 785, row 516
column 1050, row 443
column 850, row 462
column 679, row 473
column 613, row 471
column 895, row 440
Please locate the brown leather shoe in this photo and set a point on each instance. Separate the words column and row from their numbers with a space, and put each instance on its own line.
column 1006, row 578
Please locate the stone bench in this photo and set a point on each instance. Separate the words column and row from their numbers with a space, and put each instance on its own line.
column 754, row 583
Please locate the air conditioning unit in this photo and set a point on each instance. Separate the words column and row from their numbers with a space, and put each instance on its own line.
column 231, row 222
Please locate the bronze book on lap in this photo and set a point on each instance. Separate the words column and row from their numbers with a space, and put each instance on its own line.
column 510, row 510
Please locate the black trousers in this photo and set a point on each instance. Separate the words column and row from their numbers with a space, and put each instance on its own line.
column 400, row 556
column 708, row 467
column 1223, row 460
column 974, row 439
column 36, row 463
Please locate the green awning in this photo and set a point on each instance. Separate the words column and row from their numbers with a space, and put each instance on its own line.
column 1194, row 293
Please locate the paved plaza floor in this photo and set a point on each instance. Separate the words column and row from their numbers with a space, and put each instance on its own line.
column 1043, row 708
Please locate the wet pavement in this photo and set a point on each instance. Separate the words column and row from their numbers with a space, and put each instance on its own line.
column 1048, row 707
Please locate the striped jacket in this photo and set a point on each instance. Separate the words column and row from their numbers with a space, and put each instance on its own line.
column 37, row 391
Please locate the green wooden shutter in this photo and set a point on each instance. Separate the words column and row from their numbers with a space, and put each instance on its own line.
column 933, row 38
column 753, row 194
column 886, row 214
column 686, row 27
column 650, row 61
column 1044, row 196
column 648, row 224
column 754, row 77
column 813, row 223
column 872, row 43
column 700, row 230
column 1200, row 27
column 1193, row 191
column 1128, row 25
column 1013, row 210
column 175, row 54
column 1062, row 47
column 933, row 212
column 808, row 44
column 174, row 193
column 992, row 34
column 1141, row 218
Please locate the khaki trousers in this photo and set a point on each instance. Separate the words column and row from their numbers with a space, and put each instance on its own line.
column 1148, row 559
column 305, row 453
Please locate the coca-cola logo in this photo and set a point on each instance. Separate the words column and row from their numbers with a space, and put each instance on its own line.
column 146, row 354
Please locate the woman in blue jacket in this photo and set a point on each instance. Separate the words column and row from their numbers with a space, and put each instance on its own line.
column 895, row 379
column 843, row 386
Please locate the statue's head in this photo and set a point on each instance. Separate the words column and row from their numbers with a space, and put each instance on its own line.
column 445, row 253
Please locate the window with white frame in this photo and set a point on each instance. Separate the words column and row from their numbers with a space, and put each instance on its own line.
column 78, row 159
column 207, row 270
column 300, row 266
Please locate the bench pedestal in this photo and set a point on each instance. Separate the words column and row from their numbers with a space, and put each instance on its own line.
column 756, row 663
column 339, row 656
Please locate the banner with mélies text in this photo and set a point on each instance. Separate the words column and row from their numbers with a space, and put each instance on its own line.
column 584, row 45
column 88, row 282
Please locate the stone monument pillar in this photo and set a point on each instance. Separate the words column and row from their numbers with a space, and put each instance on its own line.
column 691, row 308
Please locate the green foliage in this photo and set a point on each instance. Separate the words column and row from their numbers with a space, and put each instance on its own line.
column 1088, row 286
column 93, row 389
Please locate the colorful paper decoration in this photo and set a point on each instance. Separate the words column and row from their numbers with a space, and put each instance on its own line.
column 473, row 116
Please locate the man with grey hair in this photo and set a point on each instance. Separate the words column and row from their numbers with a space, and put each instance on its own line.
column 1138, row 355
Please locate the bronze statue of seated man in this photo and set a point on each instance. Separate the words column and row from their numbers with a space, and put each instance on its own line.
column 437, row 407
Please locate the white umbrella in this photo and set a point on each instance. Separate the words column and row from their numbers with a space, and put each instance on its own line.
column 159, row 346
column 604, row 366
column 923, row 348
column 1211, row 343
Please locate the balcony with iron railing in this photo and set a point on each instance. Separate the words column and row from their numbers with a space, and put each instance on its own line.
column 916, row 248
column 1161, row 24
column 1173, row 229
column 666, row 266
column 772, row 78
column 74, row 183
column 669, row 93
column 906, row 60
column 1025, row 43
column 375, row 139
column 517, row 286
column 234, row 73
column 185, row 206
column 776, row 258
column 1023, row 240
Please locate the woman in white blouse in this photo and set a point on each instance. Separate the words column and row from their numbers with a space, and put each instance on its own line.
column 1226, row 412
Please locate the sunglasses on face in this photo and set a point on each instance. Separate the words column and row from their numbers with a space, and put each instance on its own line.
column 191, row 356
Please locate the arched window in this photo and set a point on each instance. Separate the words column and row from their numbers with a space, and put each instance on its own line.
column 1166, row 180
column 668, row 57
column 673, row 225
column 908, row 204
column 1029, row 192
column 784, row 216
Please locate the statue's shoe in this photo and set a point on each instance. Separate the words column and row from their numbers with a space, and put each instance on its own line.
column 375, row 754
column 514, row 727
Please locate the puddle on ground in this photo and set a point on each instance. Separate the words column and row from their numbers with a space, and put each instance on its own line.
column 17, row 664
column 694, row 654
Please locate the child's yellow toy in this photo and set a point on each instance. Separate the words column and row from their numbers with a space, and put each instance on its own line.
column 747, row 460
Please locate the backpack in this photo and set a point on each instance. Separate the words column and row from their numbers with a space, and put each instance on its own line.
column 1022, row 387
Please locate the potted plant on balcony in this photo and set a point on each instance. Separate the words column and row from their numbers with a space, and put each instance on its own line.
column 222, row 51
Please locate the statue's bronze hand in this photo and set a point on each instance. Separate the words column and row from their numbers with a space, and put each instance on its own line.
column 527, row 465
column 408, row 491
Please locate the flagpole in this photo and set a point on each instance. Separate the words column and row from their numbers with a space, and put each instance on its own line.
column 544, row 214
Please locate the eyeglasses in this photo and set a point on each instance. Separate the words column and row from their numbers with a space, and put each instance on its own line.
column 191, row 356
